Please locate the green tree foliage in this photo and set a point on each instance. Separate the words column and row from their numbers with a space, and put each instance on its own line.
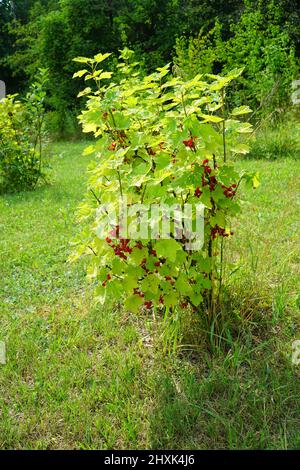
column 263, row 36
column 263, row 46
column 6, row 16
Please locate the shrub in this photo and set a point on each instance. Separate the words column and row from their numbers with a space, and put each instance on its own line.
column 265, row 49
column 162, row 141
column 199, row 54
column 21, row 138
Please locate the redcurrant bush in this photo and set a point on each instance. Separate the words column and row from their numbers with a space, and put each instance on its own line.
column 165, row 141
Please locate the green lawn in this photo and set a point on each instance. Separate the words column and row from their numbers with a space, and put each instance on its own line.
column 80, row 376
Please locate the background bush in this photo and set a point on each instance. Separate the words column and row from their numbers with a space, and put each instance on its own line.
column 22, row 138
column 261, row 44
column 198, row 35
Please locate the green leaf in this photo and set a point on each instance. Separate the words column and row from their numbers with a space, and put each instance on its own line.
column 117, row 266
column 130, row 283
column 241, row 110
column 167, row 248
column 138, row 255
column 89, row 150
column 255, row 181
column 100, row 294
column 195, row 298
column 80, row 73
column 211, row 117
column 104, row 75
column 100, row 57
column 82, row 60
column 171, row 299
column 205, row 198
column 182, row 285
column 162, row 161
column 133, row 303
column 218, row 219
column 206, row 283
column 84, row 92
column 150, row 284
column 120, row 121
column 240, row 148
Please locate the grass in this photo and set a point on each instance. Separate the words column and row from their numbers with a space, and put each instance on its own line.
column 84, row 377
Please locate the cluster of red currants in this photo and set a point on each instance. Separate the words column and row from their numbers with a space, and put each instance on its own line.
column 151, row 151
column 108, row 278
column 169, row 278
column 206, row 179
column 143, row 262
column 216, row 230
column 144, row 267
column 148, row 304
column 112, row 146
column 120, row 248
column 197, row 192
column 184, row 304
column 190, row 143
column 229, row 191
column 121, row 140
column 136, row 291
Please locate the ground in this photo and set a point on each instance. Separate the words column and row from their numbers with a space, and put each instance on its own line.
column 87, row 377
